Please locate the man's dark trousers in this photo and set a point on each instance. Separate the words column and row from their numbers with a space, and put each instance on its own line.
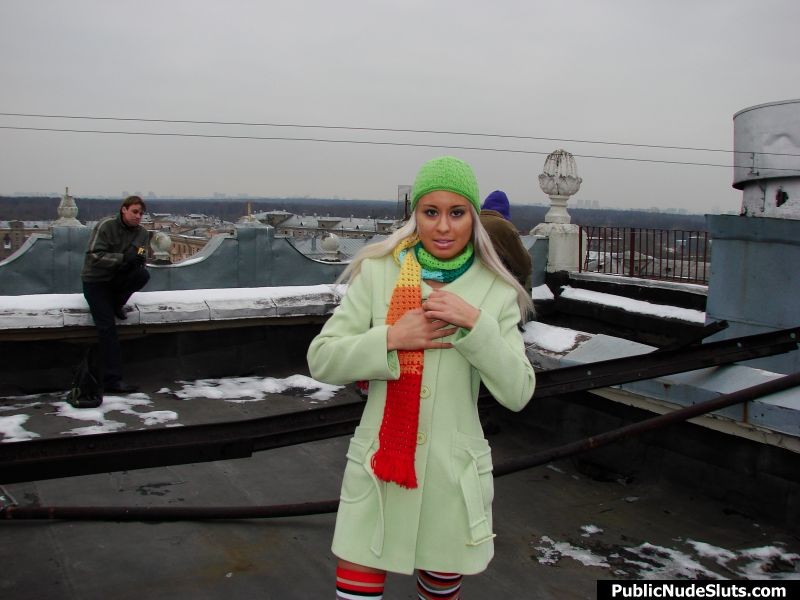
column 103, row 298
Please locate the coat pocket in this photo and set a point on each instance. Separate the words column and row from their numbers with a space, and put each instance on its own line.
column 473, row 471
column 359, row 481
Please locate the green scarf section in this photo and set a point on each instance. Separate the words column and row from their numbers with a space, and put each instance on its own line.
column 444, row 270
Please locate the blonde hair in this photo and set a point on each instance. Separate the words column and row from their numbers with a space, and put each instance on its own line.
column 484, row 251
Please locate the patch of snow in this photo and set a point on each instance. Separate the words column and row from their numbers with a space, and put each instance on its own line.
column 553, row 551
column 254, row 389
column 549, row 337
column 542, row 292
column 158, row 417
column 231, row 389
column 590, row 530
column 649, row 561
column 668, row 563
column 13, row 430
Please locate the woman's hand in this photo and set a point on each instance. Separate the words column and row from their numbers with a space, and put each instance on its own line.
column 415, row 331
column 445, row 306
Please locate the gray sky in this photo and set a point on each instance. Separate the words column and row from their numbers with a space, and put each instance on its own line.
column 636, row 71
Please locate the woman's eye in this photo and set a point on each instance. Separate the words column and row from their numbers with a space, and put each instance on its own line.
column 430, row 212
column 458, row 212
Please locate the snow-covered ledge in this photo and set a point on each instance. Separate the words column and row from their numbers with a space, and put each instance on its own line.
column 773, row 419
column 640, row 282
column 49, row 311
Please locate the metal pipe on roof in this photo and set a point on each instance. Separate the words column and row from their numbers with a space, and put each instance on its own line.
column 160, row 513
column 651, row 424
column 166, row 513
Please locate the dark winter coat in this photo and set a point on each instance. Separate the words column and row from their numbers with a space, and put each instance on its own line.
column 507, row 244
column 110, row 238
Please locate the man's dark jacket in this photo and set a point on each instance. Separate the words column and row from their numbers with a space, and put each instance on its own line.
column 110, row 238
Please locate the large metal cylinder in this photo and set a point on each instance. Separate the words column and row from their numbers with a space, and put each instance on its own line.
column 767, row 159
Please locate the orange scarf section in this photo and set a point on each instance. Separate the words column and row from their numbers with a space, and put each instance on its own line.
column 394, row 460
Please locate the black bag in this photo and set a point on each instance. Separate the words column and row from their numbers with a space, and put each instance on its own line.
column 86, row 390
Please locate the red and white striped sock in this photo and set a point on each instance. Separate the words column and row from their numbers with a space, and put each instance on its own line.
column 432, row 585
column 357, row 585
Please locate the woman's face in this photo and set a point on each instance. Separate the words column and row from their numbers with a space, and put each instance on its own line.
column 444, row 223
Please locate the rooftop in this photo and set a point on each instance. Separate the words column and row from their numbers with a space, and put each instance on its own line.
column 560, row 526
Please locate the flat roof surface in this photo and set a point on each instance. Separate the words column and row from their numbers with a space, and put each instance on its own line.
column 558, row 529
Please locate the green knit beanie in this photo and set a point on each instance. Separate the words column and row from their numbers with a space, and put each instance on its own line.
column 446, row 173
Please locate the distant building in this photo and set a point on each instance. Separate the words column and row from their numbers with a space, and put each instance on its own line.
column 189, row 233
column 186, row 246
column 302, row 226
column 14, row 233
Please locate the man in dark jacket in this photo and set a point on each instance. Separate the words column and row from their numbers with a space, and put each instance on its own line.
column 495, row 217
column 114, row 268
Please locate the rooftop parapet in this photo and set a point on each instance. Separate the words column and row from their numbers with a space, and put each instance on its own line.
column 252, row 256
column 46, row 315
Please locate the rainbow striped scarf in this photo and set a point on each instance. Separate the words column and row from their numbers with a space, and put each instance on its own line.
column 394, row 460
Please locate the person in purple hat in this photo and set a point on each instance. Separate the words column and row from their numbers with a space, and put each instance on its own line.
column 496, row 219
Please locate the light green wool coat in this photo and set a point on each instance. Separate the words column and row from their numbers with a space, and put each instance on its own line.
column 445, row 524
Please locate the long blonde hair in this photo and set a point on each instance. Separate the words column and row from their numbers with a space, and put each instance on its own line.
column 484, row 251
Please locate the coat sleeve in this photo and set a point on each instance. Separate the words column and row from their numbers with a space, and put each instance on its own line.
column 495, row 348
column 349, row 347
column 103, row 253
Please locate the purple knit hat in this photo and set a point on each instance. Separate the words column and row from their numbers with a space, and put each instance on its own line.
column 498, row 201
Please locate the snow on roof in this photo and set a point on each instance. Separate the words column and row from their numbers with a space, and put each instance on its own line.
column 175, row 306
column 634, row 306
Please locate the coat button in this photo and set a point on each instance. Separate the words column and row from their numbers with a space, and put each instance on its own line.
column 424, row 391
column 421, row 437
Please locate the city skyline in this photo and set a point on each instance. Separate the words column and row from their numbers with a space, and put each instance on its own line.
column 349, row 99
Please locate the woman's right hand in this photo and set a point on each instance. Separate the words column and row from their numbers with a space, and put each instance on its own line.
column 413, row 331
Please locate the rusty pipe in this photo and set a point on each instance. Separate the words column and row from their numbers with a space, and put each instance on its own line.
column 167, row 513
column 677, row 416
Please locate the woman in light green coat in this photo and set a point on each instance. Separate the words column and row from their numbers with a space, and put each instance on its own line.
column 429, row 314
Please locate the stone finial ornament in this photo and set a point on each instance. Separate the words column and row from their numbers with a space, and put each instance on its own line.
column 161, row 243
column 560, row 175
column 67, row 211
column 559, row 181
column 330, row 246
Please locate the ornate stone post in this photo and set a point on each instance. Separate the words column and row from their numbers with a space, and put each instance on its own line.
column 559, row 181
column 330, row 247
column 161, row 244
column 67, row 211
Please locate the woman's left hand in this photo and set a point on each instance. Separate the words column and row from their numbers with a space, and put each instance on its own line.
column 448, row 307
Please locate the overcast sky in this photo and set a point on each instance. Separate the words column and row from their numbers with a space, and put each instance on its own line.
column 669, row 72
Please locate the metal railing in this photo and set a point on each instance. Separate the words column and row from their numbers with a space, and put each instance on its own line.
column 669, row 255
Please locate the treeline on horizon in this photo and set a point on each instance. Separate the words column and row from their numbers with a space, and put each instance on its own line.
column 524, row 217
